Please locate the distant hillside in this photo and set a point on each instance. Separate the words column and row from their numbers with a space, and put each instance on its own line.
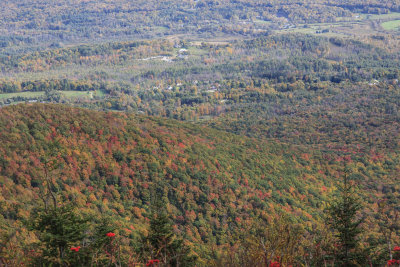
column 27, row 22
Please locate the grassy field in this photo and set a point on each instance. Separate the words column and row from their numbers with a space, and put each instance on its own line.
column 68, row 94
column 75, row 94
column 317, row 29
column 263, row 22
column 394, row 15
column 391, row 25
column 22, row 94
column 196, row 51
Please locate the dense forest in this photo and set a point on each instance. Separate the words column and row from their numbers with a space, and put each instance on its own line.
column 199, row 133
column 214, row 185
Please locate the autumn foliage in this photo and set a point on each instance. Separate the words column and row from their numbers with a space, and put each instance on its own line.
column 214, row 185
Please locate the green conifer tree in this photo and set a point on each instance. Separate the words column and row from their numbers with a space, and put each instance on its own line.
column 161, row 243
column 344, row 220
column 58, row 230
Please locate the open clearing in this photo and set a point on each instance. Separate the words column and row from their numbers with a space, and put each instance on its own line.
column 21, row 94
column 391, row 25
column 68, row 94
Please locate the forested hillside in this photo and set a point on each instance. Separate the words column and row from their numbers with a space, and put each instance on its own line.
column 215, row 185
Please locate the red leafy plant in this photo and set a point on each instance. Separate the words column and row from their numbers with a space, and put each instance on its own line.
column 76, row 249
column 152, row 262
column 274, row 264
column 110, row 234
column 393, row 262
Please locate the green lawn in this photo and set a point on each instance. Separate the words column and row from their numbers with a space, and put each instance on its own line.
column 391, row 25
